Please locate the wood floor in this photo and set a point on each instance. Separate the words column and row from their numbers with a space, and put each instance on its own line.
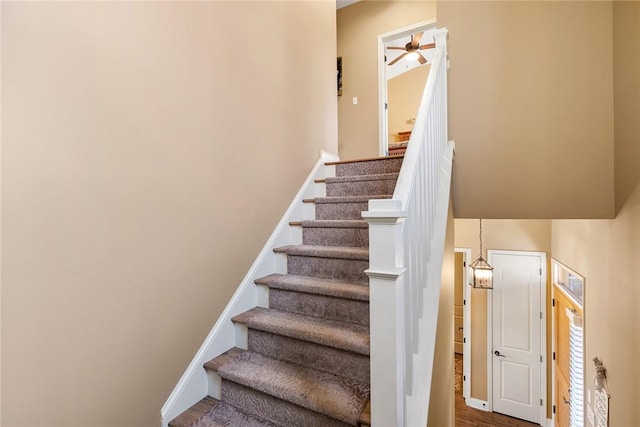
column 470, row 417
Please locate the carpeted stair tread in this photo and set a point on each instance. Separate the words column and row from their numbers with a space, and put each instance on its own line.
column 245, row 316
column 330, row 223
column 328, row 262
column 223, row 415
column 356, row 178
column 334, row 223
column 322, row 392
column 347, row 206
column 349, row 185
column 365, row 415
column 363, row 160
column 348, row 199
column 278, row 411
column 335, row 232
column 331, row 333
column 338, row 362
column 193, row 414
column 314, row 285
column 213, row 413
column 320, row 306
column 338, row 252
column 225, row 357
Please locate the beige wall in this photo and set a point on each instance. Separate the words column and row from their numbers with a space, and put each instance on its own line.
column 606, row 252
column 531, row 94
column 145, row 161
column 626, row 73
column 442, row 401
column 403, row 96
column 517, row 235
column 359, row 26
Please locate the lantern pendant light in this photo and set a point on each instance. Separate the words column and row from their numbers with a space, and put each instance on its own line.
column 482, row 271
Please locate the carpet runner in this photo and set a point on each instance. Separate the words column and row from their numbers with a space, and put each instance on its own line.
column 307, row 358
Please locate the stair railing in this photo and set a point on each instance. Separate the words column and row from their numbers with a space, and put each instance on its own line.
column 406, row 249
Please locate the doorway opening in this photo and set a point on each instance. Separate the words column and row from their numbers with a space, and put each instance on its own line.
column 385, row 72
column 462, row 322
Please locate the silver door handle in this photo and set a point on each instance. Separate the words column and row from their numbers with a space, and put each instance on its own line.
column 497, row 353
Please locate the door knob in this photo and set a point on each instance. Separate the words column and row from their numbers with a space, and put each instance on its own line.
column 460, row 328
column 497, row 353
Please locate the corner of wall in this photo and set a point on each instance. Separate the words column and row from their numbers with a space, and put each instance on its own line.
column 442, row 402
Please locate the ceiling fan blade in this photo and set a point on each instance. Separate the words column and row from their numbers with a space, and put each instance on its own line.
column 415, row 39
column 397, row 59
column 396, row 47
column 428, row 46
column 421, row 59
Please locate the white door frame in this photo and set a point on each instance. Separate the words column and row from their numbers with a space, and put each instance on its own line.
column 466, row 313
column 543, row 332
column 383, row 139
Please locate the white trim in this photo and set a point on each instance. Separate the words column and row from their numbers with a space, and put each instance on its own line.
column 543, row 338
column 555, row 287
column 391, row 274
column 489, row 343
column 557, row 264
column 543, row 330
column 553, row 349
column 466, row 316
column 474, row 403
column 383, row 142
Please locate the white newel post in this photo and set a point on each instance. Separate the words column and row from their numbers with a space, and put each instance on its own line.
column 386, row 301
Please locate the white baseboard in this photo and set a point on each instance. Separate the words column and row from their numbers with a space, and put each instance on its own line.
column 483, row 405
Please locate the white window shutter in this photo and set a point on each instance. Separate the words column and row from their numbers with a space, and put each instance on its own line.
column 576, row 369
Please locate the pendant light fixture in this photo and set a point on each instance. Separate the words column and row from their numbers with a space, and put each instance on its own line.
column 482, row 271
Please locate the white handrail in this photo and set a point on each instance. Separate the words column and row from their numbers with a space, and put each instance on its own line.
column 194, row 384
column 409, row 164
column 406, row 249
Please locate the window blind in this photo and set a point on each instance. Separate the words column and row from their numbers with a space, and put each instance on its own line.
column 576, row 369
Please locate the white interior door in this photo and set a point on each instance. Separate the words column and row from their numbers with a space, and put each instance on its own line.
column 517, row 333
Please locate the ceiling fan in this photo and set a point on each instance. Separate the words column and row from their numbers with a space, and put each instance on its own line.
column 412, row 49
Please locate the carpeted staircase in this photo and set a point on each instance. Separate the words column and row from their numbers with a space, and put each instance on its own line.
column 307, row 357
